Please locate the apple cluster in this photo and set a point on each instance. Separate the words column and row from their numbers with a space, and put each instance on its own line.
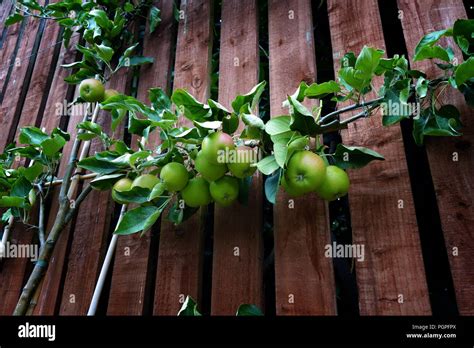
column 307, row 172
column 214, row 175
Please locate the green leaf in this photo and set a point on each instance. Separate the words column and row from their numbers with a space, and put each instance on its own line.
column 137, row 195
column 405, row 91
column 154, row 18
column 139, row 219
column 21, row 187
column 32, row 172
column 393, row 109
column 252, row 98
column 430, row 39
column 105, row 182
column 102, row 167
column 421, row 87
column 138, row 125
column 53, row 145
column 140, row 60
column 157, row 191
column 192, row 109
column 253, row 121
column 209, row 124
column 353, row 79
column 131, row 104
column 159, row 99
column 323, row 89
column 276, row 125
column 7, row 201
column 129, row 51
column 302, row 119
column 248, row 310
column 271, row 186
column 32, row 136
column 280, row 152
column 350, row 157
column 178, row 215
column 105, row 53
column 12, row 19
column 299, row 94
column 267, row 165
column 462, row 33
column 431, row 52
column 367, row 61
column 189, row 308
column 117, row 117
column 443, row 122
column 91, row 127
column 464, row 71
column 348, row 60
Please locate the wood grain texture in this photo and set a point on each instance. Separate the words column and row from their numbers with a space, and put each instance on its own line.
column 302, row 272
column 92, row 226
column 238, row 279
column 181, row 247
column 393, row 263
column 6, row 8
column 452, row 179
column 130, row 270
column 20, row 70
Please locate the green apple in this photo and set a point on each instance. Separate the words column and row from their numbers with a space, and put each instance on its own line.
column 240, row 164
column 335, row 184
column 110, row 93
column 175, row 176
column 305, row 171
column 91, row 90
column 207, row 169
column 225, row 190
column 32, row 197
column 147, row 181
column 289, row 189
column 124, row 184
column 214, row 146
column 196, row 193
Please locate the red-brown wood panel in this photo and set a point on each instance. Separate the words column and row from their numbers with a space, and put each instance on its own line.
column 130, row 271
column 452, row 179
column 237, row 273
column 181, row 247
column 391, row 279
column 14, row 88
column 303, row 275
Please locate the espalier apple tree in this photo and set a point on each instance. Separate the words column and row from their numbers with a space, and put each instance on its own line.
column 209, row 161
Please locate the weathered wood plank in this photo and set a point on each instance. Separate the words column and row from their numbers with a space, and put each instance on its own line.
column 238, row 279
column 454, row 192
column 20, row 70
column 304, row 277
column 181, row 247
column 130, row 272
column 393, row 263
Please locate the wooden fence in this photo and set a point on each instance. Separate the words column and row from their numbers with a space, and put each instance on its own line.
column 153, row 274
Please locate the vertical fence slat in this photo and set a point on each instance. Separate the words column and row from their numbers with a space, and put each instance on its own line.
column 14, row 89
column 304, row 276
column 238, row 279
column 5, row 10
column 393, row 263
column 181, row 247
column 13, row 270
column 452, row 179
column 130, row 271
column 92, row 227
